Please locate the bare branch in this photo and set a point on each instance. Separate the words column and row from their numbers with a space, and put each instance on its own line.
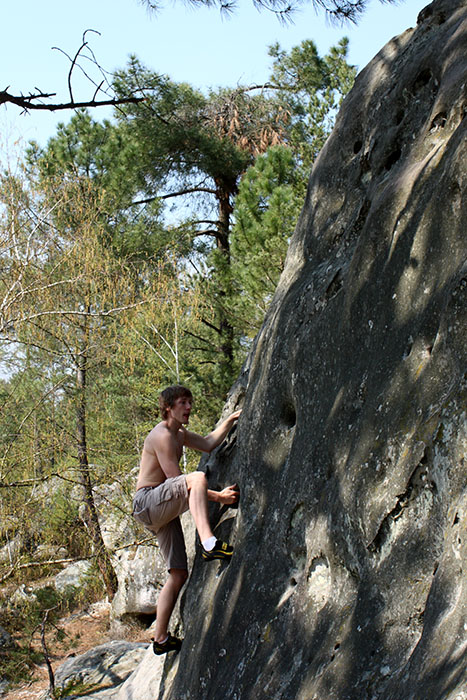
column 32, row 564
column 34, row 99
column 74, row 63
column 207, row 232
column 203, row 340
column 189, row 190
column 28, row 414
column 97, row 89
column 205, row 221
column 27, row 103
column 72, row 312
column 46, row 652
column 161, row 358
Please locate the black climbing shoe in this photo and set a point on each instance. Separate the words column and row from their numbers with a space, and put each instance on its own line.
column 221, row 550
column 170, row 644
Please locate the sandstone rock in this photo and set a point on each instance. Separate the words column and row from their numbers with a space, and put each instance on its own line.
column 72, row 576
column 139, row 568
column 144, row 682
column 10, row 551
column 348, row 578
column 141, row 572
column 105, row 667
column 48, row 551
column 23, row 596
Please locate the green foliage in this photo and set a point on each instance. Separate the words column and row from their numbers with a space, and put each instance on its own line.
column 271, row 193
column 105, row 158
column 312, row 89
column 84, row 148
column 60, row 521
column 18, row 664
column 265, row 217
column 175, row 127
column 340, row 10
column 200, row 146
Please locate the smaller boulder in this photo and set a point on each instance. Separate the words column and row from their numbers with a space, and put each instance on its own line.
column 48, row 551
column 10, row 552
column 105, row 666
column 23, row 595
column 72, row 576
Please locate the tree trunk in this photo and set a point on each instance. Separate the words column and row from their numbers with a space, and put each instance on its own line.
column 226, row 331
column 90, row 516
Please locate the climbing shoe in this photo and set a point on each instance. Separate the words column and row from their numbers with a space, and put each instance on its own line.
column 170, row 644
column 221, row 550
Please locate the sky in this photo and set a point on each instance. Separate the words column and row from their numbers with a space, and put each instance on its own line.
column 197, row 46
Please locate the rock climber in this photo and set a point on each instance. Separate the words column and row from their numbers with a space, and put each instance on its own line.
column 163, row 493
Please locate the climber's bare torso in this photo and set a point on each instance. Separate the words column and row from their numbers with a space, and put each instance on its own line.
column 160, row 437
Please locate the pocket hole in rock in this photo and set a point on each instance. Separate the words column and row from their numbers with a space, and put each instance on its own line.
column 392, row 158
column 357, row 147
column 289, row 416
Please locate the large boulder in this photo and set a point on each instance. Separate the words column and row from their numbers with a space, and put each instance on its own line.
column 141, row 572
column 101, row 669
column 348, row 578
column 135, row 555
column 143, row 683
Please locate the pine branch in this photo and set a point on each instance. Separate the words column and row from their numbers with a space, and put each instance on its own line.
column 211, row 325
column 209, row 232
column 188, row 190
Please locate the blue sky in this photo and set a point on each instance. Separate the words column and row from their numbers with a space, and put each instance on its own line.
column 194, row 45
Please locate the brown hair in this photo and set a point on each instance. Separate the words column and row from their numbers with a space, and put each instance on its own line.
column 168, row 397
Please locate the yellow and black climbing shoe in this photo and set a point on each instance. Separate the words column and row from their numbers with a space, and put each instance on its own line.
column 221, row 550
column 170, row 644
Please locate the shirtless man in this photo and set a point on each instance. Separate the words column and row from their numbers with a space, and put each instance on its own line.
column 163, row 493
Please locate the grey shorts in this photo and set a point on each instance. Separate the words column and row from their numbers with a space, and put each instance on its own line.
column 158, row 509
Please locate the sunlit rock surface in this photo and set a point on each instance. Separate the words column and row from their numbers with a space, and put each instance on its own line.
column 100, row 672
column 348, row 578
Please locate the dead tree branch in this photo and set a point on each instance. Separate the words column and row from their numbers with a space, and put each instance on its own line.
column 46, row 652
column 33, row 101
column 27, row 102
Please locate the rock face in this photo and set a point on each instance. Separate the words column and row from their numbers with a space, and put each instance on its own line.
column 348, row 578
